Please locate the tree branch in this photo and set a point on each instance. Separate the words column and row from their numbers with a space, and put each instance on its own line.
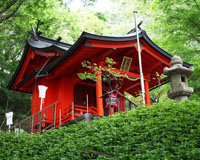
column 195, row 38
column 4, row 115
column 8, row 6
column 197, row 4
column 6, row 17
column 194, row 24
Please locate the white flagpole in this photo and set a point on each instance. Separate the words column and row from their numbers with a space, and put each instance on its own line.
column 87, row 102
column 140, row 60
column 41, row 102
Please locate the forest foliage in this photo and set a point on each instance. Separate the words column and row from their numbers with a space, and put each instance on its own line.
column 56, row 20
column 173, row 25
column 167, row 130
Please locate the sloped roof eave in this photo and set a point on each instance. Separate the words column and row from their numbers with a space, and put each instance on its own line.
column 44, row 46
column 84, row 36
column 81, row 40
column 128, row 37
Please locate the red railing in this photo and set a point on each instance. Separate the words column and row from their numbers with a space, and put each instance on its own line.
column 48, row 118
column 74, row 111
column 80, row 110
column 36, row 123
column 51, row 117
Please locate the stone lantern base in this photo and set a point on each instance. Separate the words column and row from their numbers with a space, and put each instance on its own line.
column 180, row 95
column 181, row 98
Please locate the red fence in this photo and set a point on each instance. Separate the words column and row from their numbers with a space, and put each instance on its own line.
column 51, row 117
column 36, row 123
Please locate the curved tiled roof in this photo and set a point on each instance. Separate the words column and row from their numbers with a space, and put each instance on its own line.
column 128, row 37
column 40, row 43
column 45, row 44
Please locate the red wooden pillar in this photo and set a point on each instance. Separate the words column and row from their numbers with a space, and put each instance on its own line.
column 147, row 95
column 99, row 100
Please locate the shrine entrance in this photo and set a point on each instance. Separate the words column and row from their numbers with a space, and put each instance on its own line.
column 84, row 99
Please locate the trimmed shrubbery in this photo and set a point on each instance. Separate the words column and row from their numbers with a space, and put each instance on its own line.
column 163, row 131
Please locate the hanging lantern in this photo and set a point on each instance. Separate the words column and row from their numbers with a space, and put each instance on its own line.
column 42, row 91
column 42, row 94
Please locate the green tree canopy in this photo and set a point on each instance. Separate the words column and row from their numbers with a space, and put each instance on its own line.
column 56, row 20
column 173, row 25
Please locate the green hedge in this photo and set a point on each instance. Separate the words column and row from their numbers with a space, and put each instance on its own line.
column 164, row 131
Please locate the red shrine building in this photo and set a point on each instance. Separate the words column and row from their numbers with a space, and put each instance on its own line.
column 55, row 65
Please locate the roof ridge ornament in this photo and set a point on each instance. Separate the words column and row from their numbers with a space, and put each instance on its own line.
column 140, row 25
column 38, row 24
column 134, row 29
column 58, row 39
column 35, row 34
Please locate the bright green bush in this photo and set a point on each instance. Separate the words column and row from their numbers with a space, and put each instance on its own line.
column 163, row 131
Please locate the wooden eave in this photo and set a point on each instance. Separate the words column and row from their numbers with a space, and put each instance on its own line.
column 96, row 41
column 95, row 48
column 34, row 56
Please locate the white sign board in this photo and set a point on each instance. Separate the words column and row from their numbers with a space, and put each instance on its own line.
column 42, row 91
column 9, row 118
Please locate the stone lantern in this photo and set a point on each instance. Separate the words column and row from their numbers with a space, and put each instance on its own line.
column 178, row 74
